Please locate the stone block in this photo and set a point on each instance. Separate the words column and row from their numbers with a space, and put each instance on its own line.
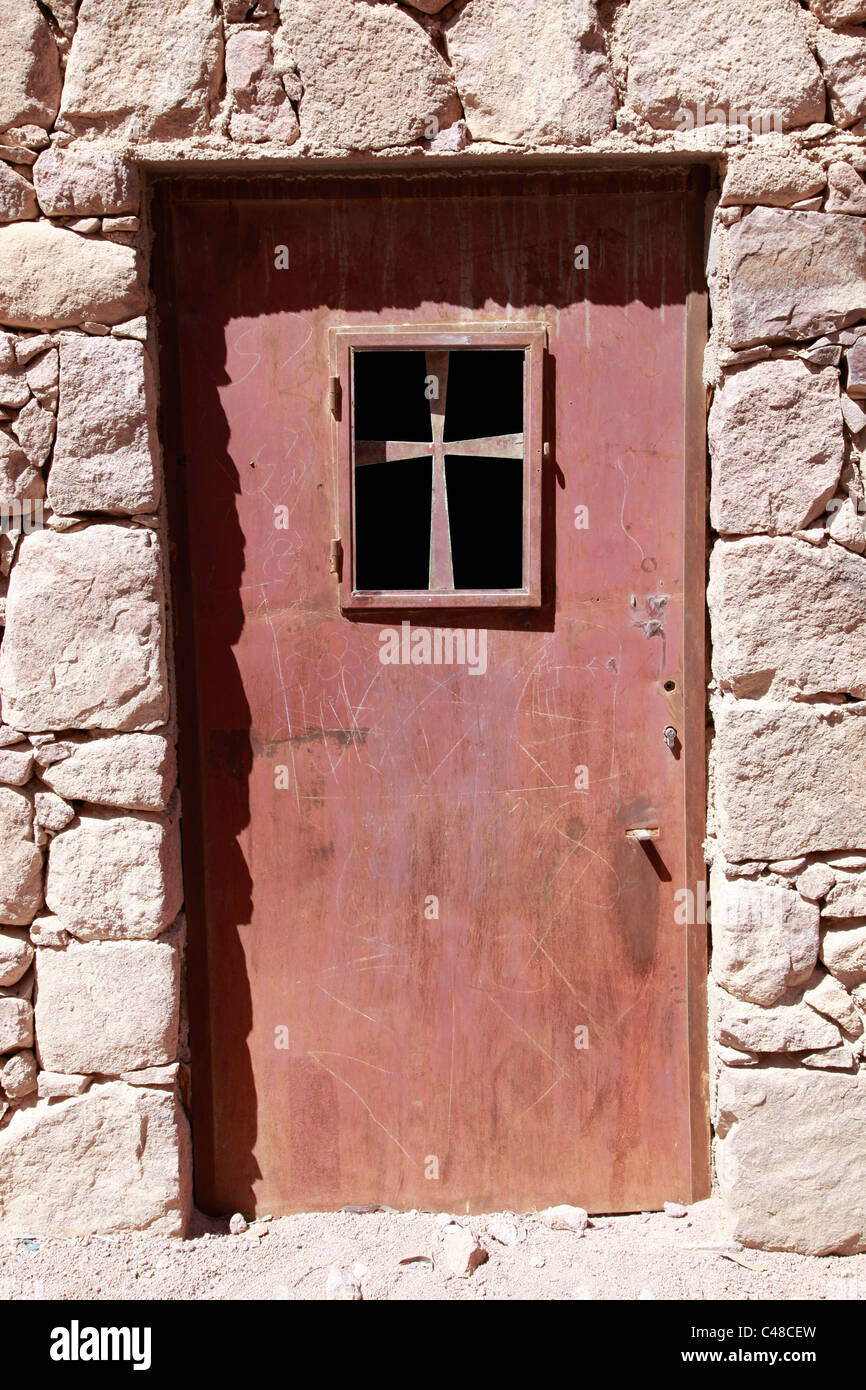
column 112, row 877
column 142, row 70
column 787, row 778
column 816, row 641
column 261, row 110
column 855, row 359
column 560, row 92
column 775, row 180
column 18, row 478
column 765, row 938
column 372, row 78
column 108, row 1006
column 135, row 771
column 847, row 191
column 839, row 12
column 16, row 955
column 777, row 444
column 815, row 882
column 843, row 58
column 34, row 429
column 720, row 54
column 788, row 1025
column 847, row 898
column 18, row 1075
column 30, row 65
column 16, row 1023
column 17, row 199
column 106, row 428
column 786, row 1186
column 84, row 640
column 21, row 880
column 84, row 182
column 795, row 275
column 843, row 951
column 116, row 1158
column 53, row 278
column 830, row 997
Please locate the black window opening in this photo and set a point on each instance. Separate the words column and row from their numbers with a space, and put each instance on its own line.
column 438, row 469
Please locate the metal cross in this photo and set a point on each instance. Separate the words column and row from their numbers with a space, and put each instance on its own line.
column 502, row 446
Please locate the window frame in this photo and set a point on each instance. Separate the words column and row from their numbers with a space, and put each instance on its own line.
column 531, row 338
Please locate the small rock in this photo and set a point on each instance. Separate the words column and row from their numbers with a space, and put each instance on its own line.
column 16, row 955
column 17, row 199
column 733, row 1057
column 856, row 360
column 787, row 867
column 47, row 931
column 52, row 812
column 120, row 224
column 839, row 1058
column 505, row 1231
column 462, row 1252
column 34, row 430
column 855, row 862
column 16, row 1024
column 166, row 1075
column 565, row 1218
column 238, row 1224
column 133, row 328
column 341, row 1287
column 847, row 190
column 18, row 1075
column 853, row 413
column 846, row 528
column 28, row 348
column 830, row 998
column 15, row 766
column 815, row 882
column 822, row 354
column 675, row 1209
column 16, row 154
column 750, row 868
column 14, row 391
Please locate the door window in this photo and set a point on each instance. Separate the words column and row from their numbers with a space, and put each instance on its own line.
column 439, row 462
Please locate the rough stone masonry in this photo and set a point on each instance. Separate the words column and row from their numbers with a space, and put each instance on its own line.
column 95, row 95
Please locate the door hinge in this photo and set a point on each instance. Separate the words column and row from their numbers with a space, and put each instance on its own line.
column 335, row 395
column 336, row 565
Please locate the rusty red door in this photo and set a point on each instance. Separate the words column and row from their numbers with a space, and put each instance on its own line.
column 429, row 966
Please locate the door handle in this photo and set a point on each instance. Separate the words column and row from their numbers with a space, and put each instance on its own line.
column 643, row 832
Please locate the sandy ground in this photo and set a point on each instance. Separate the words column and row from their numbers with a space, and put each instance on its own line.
column 621, row 1257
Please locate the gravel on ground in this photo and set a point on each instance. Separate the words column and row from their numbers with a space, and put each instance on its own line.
column 642, row 1256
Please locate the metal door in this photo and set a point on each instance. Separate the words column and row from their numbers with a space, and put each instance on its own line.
column 429, row 965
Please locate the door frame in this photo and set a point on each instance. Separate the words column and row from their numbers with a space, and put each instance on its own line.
column 166, row 188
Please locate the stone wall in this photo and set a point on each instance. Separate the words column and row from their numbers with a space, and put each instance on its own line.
column 98, row 95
